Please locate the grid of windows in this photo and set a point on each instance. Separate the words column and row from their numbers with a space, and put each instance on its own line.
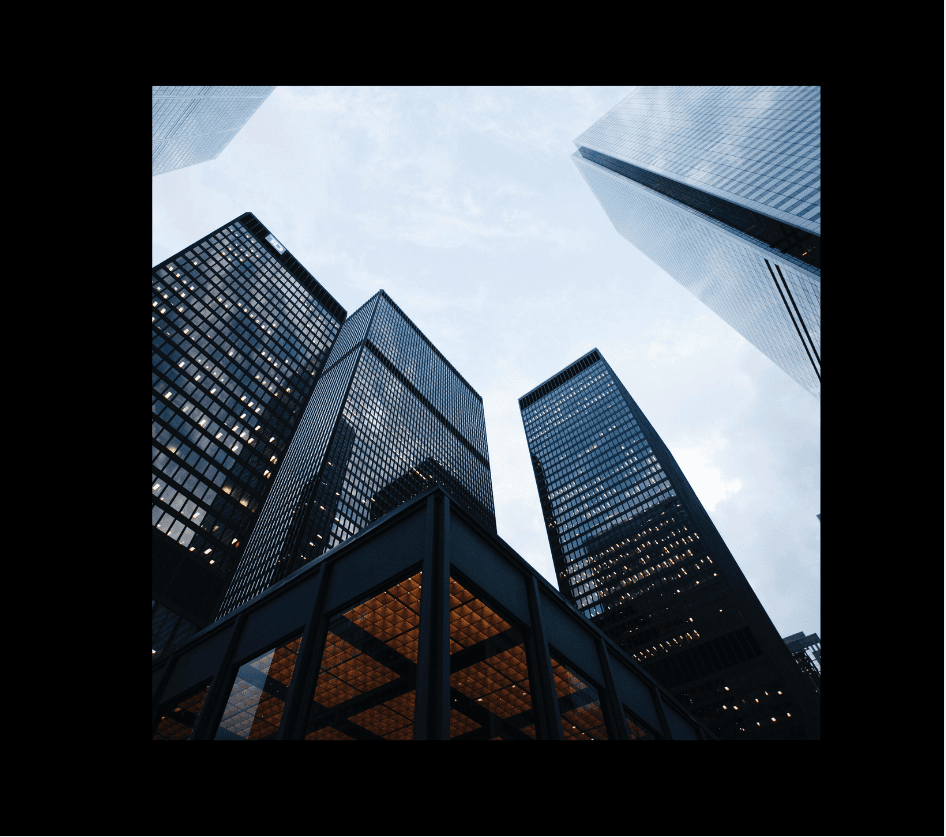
column 594, row 467
column 579, row 705
column 238, row 340
column 799, row 244
column 758, row 147
column 191, row 125
column 635, row 552
column 368, row 675
column 388, row 419
column 755, row 149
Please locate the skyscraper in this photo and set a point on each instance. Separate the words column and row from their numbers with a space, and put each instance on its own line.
column 720, row 186
column 240, row 331
column 635, row 551
column 389, row 418
column 192, row 125
column 807, row 653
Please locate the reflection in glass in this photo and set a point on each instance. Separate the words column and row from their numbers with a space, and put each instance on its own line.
column 578, row 705
column 636, row 729
column 178, row 718
column 389, row 419
column 258, row 696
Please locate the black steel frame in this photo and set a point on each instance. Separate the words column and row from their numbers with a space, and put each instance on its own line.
column 304, row 607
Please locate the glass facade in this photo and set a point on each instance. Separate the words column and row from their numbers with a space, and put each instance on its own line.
column 636, row 553
column 425, row 626
column 240, row 333
column 389, row 418
column 191, row 125
column 368, row 676
column 807, row 653
column 721, row 188
column 258, row 696
column 490, row 693
column 177, row 719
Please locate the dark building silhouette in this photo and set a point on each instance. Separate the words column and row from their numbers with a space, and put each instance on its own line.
column 807, row 653
column 418, row 479
column 389, row 416
column 423, row 625
column 240, row 332
column 635, row 551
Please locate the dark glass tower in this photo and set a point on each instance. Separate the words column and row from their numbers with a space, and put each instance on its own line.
column 635, row 551
column 240, row 331
column 389, row 418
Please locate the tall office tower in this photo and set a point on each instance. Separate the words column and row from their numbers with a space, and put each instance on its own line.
column 192, row 125
column 635, row 551
column 389, row 418
column 239, row 333
column 720, row 186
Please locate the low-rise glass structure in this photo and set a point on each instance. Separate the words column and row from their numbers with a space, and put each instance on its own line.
column 423, row 625
column 389, row 417
column 635, row 551
column 240, row 331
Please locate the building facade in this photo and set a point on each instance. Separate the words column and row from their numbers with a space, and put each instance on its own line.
column 721, row 188
column 635, row 551
column 239, row 334
column 191, row 125
column 423, row 626
column 389, row 418
column 807, row 653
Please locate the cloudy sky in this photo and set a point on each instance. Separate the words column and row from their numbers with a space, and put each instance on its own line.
column 464, row 205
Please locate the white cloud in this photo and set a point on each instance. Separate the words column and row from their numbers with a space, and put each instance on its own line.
column 705, row 477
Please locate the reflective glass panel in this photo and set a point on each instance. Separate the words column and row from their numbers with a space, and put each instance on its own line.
column 636, row 729
column 258, row 696
column 578, row 706
column 368, row 675
column 178, row 718
column 490, row 695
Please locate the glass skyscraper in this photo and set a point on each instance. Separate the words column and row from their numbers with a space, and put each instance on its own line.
column 389, row 418
column 721, row 187
column 635, row 551
column 191, row 125
column 239, row 333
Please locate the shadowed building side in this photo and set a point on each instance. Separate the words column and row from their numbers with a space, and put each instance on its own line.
column 388, row 417
column 636, row 552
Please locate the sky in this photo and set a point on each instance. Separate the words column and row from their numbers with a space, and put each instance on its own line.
column 463, row 205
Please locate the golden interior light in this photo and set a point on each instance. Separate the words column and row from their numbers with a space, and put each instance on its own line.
column 351, row 669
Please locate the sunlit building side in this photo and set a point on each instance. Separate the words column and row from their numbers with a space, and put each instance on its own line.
column 721, row 187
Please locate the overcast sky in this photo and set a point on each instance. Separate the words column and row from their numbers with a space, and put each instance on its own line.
column 464, row 205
